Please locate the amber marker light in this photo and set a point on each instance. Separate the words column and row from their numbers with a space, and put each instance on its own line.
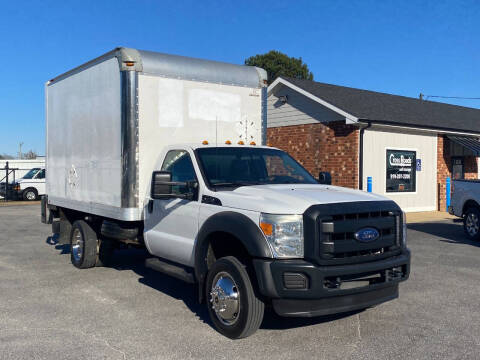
column 266, row 228
column 253, row 143
column 129, row 63
column 228, row 142
column 204, row 142
column 241, row 142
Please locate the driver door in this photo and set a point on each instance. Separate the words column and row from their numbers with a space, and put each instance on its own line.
column 171, row 225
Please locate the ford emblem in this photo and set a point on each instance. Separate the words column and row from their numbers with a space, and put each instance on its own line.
column 367, row 234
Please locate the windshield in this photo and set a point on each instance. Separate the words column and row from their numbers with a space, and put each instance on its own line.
column 31, row 173
column 251, row 166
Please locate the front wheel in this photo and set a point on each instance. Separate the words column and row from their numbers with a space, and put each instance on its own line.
column 234, row 308
column 471, row 223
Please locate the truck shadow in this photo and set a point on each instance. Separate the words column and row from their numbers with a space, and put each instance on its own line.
column 53, row 240
column 134, row 260
column 449, row 232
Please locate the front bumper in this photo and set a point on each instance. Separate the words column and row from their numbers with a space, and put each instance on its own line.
column 330, row 289
column 12, row 194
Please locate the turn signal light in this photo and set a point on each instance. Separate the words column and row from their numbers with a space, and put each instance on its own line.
column 266, row 228
column 204, row 142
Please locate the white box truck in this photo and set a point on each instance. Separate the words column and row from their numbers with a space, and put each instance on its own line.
column 168, row 152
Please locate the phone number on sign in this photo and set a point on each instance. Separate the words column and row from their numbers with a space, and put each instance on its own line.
column 400, row 176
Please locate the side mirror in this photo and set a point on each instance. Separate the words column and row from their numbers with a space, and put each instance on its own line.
column 325, row 178
column 161, row 185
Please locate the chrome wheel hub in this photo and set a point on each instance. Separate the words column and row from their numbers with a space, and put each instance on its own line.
column 225, row 298
column 77, row 245
column 30, row 195
column 472, row 224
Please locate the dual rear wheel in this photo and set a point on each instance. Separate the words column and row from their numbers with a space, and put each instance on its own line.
column 87, row 250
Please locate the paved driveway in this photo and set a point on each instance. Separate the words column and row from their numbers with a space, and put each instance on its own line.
column 50, row 310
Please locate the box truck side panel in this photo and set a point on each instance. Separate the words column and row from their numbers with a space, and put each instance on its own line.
column 84, row 137
column 183, row 111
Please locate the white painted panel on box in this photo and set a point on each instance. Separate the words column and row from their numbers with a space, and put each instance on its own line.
column 170, row 103
column 213, row 105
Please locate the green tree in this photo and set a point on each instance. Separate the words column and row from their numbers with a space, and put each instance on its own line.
column 277, row 64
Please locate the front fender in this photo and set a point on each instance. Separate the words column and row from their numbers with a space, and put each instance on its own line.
column 235, row 224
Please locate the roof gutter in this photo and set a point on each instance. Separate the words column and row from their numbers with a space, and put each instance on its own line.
column 439, row 130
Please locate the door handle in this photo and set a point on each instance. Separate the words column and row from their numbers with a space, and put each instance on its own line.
column 150, row 206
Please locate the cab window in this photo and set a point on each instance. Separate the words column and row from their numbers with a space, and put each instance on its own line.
column 179, row 163
column 40, row 174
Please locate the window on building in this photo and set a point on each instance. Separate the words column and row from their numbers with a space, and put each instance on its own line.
column 401, row 171
column 458, row 170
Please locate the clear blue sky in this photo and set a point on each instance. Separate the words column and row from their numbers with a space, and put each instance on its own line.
column 400, row 47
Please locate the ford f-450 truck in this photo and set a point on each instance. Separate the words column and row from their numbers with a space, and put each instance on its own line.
column 168, row 152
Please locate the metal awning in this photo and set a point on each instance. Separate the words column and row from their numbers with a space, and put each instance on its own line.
column 470, row 143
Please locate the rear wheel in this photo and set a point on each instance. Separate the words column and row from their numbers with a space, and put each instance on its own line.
column 84, row 245
column 30, row 194
column 471, row 223
column 234, row 308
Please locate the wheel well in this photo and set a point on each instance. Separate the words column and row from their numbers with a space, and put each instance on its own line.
column 469, row 204
column 221, row 244
column 31, row 188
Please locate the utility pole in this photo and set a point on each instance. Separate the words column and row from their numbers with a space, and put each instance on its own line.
column 20, row 150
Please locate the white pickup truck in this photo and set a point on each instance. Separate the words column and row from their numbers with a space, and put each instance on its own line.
column 165, row 152
column 465, row 203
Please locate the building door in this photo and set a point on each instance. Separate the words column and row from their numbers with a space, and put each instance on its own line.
column 458, row 168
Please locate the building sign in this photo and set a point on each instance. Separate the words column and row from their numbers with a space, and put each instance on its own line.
column 401, row 171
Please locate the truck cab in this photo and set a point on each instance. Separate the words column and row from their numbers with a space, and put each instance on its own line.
column 311, row 249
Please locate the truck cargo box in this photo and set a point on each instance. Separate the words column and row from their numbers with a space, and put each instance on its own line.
column 109, row 119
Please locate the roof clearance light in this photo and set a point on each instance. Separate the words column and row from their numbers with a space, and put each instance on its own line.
column 204, row 142
column 228, row 142
column 253, row 143
column 129, row 63
column 241, row 142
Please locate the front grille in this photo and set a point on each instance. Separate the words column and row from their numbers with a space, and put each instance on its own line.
column 337, row 238
column 335, row 227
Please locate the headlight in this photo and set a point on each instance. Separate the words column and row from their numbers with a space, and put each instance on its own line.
column 284, row 234
column 404, row 230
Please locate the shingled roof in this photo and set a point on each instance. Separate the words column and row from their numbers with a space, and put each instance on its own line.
column 393, row 109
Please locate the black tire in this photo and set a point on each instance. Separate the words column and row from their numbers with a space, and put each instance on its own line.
column 106, row 248
column 471, row 223
column 82, row 235
column 251, row 308
column 30, row 194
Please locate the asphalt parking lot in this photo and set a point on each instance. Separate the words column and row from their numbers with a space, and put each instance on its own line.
column 51, row 310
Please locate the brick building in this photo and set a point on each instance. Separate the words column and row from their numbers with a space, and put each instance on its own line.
column 407, row 146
